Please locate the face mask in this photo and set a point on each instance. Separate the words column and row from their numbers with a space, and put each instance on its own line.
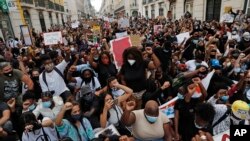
column 224, row 98
column 237, row 70
column 88, row 97
column 96, row 58
column 87, row 80
column 49, row 67
column 151, row 119
column 195, row 41
column 35, row 78
column 9, row 74
column 228, row 64
column 47, row 104
column 72, row 49
column 180, row 96
column 76, row 117
column 131, row 62
column 32, row 107
column 198, row 126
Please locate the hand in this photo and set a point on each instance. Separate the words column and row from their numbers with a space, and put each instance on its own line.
column 165, row 85
column 130, row 105
column 20, row 59
column 72, row 69
column 124, row 138
column 28, row 128
column 117, row 84
column 109, row 104
column 149, row 50
column 196, row 80
column 191, row 88
column 12, row 102
column 203, row 136
column 67, row 106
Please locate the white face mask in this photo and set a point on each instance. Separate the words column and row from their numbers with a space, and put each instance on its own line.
column 237, row 70
column 131, row 62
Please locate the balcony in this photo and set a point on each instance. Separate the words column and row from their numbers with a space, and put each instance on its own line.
column 40, row 3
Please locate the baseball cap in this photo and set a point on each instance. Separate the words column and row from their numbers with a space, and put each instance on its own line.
column 215, row 64
column 85, row 90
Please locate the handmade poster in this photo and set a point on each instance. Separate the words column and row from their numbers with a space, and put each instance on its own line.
column 157, row 28
column 123, row 23
column 227, row 18
column 26, row 35
column 117, row 48
column 52, row 38
column 108, row 131
column 168, row 108
column 180, row 37
column 135, row 40
column 75, row 25
column 121, row 34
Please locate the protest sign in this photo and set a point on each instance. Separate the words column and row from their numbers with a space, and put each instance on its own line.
column 157, row 28
column 168, row 108
column 26, row 34
column 75, row 25
column 180, row 37
column 96, row 29
column 121, row 34
column 123, row 23
column 224, row 136
column 227, row 18
column 52, row 38
column 135, row 40
column 117, row 48
column 108, row 132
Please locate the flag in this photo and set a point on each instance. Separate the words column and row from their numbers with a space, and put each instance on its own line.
column 168, row 107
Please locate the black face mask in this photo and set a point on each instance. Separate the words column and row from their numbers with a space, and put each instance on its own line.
column 87, row 80
column 35, row 78
column 9, row 74
column 212, row 56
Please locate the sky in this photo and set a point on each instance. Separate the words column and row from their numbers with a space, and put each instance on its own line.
column 96, row 4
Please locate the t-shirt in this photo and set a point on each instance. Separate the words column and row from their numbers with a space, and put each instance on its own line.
column 135, row 76
column 144, row 130
column 104, row 72
column 10, row 86
column 80, row 83
column 68, row 130
column 38, row 135
column 54, row 80
column 3, row 107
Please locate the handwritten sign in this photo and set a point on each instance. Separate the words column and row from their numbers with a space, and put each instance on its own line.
column 182, row 36
column 227, row 18
column 52, row 38
column 135, row 40
column 117, row 48
column 26, row 34
column 121, row 34
column 75, row 25
column 123, row 23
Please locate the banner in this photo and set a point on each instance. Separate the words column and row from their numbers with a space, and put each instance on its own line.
column 157, row 28
column 75, row 25
column 168, row 108
column 117, row 48
column 25, row 32
column 123, row 23
column 121, row 34
column 52, row 38
column 135, row 40
column 96, row 29
column 225, row 136
column 180, row 37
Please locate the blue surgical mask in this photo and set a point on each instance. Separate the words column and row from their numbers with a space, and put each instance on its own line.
column 237, row 70
column 32, row 107
column 76, row 117
column 47, row 104
column 151, row 119
column 224, row 98
column 180, row 96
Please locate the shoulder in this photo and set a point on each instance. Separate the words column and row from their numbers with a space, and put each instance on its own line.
column 17, row 72
column 164, row 118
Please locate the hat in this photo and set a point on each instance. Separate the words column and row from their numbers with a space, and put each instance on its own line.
column 85, row 90
column 240, row 109
column 246, row 34
column 215, row 64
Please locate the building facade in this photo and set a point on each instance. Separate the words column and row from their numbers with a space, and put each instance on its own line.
column 155, row 8
column 107, row 8
column 37, row 14
column 89, row 10
column 75, row 9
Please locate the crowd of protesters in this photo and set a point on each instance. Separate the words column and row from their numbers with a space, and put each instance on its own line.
column 72, row 90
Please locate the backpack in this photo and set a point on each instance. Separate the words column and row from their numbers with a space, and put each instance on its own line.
column 58, row 71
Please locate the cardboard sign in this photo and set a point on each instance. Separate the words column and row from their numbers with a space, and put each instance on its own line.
column 227, row 18
column 117, row 48
column 96, row 29
column 135, row 40
column 52, row 38
column 108, row 131
column 26, row 35
column 123, row 23
column 157, row 28
column 168, row 108
column 121, row 34
column 180, row 37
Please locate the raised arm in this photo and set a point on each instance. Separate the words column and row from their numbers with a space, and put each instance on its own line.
column 128, row 118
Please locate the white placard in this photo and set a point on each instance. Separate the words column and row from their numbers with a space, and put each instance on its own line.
column 52, row 38
column 26, row 34
column 182, row 36
column 108, row 131
column 120, row 35
column 227, row 18
column 74, row 25
column 123, row 23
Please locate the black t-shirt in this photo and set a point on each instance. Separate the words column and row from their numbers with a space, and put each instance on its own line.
column 164, row 56
column 135, row 75
column 186, row 110
column 104, row 72
column 3, row 107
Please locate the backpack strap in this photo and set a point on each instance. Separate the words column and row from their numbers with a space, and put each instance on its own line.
column 59, row 72
column 222, row 117
column 84, row 128
column 45, row 135
column 44, row 79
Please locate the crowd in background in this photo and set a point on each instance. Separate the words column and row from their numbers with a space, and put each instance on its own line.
column 72, row 90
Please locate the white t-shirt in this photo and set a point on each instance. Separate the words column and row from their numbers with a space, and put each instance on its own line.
column 115, row 112
column 48, row 112
column 93, row 88
column 38, row 135
column 54, row 80
column 191, row 64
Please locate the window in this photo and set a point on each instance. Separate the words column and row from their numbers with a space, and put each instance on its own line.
column 146, row 11
column 248, row 8
column 161, row 10
column 173, row 10
column 152, row 11
column 189, row 6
